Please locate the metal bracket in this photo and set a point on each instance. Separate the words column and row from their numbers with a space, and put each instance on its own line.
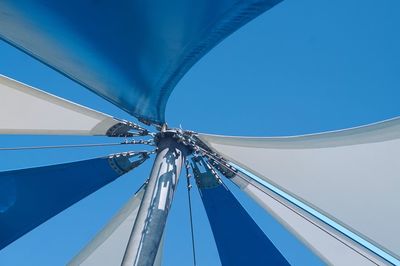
column 121, row 163
column 123, row 128
column 207, row 179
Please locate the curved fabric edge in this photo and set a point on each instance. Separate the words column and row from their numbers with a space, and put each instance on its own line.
column 26, row 110
column 361, row 152
column 376, row 132
column 239, row 15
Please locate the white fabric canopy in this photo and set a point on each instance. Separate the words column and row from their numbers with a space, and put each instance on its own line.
column 351, row 176
column 108, row 247
column 26, row 110
column 330, row 245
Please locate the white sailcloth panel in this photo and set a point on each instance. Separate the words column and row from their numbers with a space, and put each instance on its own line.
column 108, row 247
column 26, row 110
column 330, row 245
column 351, row 176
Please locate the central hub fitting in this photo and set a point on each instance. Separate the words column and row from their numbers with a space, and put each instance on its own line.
column 172, row 138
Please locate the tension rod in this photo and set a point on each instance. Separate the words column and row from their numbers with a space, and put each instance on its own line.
column 189, row 187
column 143, row 142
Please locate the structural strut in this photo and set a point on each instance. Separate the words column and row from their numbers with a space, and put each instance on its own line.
column 149, row 226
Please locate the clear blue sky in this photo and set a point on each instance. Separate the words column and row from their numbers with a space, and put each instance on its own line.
column 304, row 66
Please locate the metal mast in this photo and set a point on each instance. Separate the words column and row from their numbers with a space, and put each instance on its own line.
column 149, row 225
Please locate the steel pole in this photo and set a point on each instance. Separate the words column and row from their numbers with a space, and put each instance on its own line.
column 149, row 225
